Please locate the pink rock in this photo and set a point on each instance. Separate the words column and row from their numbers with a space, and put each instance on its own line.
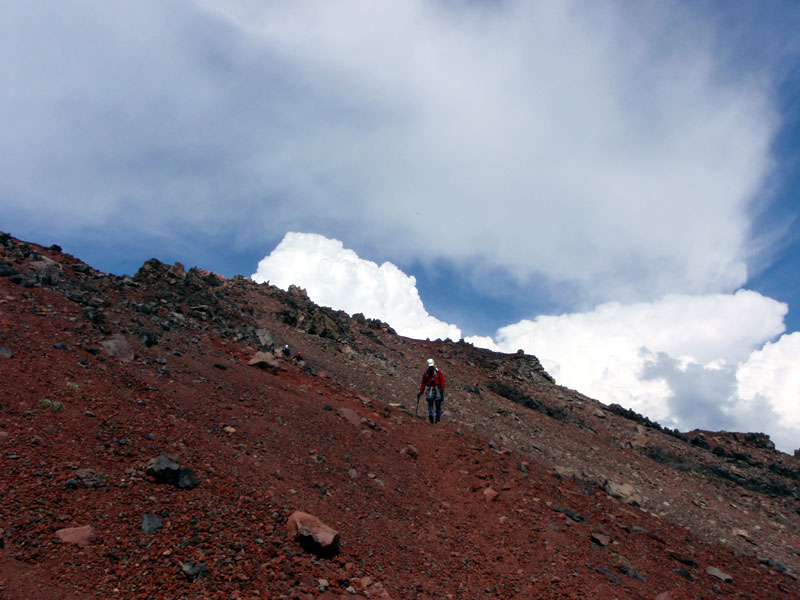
column 118, row 346
column 715, row 572
column 377, row 590
column 313, row 534
column 663, row 596
column 490, row 495
column 266, row 361
column 349, row 415
column 76, row 535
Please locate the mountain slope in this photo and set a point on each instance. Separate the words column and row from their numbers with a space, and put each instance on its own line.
column 510, row 497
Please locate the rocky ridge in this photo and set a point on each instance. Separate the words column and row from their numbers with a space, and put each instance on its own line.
column 527, row 490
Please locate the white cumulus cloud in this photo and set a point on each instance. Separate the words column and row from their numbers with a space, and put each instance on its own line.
column 771, row 377
column 335, row 276
column 704, row 361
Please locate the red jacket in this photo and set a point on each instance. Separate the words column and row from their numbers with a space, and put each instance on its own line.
column 437, row 379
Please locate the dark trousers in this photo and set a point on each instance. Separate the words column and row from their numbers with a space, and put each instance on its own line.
column 435, row 397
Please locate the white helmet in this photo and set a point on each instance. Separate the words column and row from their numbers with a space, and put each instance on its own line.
column 430, row 362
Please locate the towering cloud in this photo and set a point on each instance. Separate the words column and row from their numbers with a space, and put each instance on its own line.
column 686, row 361
column 335, row 276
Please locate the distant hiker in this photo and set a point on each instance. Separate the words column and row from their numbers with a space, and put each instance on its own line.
column 298, row 357
column 433, row 386
column 286, row 352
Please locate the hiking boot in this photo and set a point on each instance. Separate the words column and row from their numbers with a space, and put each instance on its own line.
column 430, row 418
column 437, row 419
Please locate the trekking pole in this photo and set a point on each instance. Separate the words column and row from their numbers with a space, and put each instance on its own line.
column 416, row 409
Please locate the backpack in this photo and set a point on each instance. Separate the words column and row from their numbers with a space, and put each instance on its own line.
column 432, row 388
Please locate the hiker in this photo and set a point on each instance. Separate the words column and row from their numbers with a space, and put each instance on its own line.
column 433, row 386
column 286, row 352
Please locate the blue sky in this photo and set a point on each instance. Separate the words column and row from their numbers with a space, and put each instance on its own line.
column 609, row 185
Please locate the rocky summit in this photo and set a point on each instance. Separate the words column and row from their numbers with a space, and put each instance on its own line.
column 156, row 443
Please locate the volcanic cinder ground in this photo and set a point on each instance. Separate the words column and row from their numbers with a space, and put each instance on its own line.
column 526, row 489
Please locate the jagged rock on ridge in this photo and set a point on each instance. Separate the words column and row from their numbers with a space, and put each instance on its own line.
column 46, row 271
column 266, row 340
column 759, row 440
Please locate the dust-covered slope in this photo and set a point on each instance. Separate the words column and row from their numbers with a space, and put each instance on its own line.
column 526, row 490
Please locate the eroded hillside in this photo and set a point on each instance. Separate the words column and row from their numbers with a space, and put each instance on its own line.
column 526, row 490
